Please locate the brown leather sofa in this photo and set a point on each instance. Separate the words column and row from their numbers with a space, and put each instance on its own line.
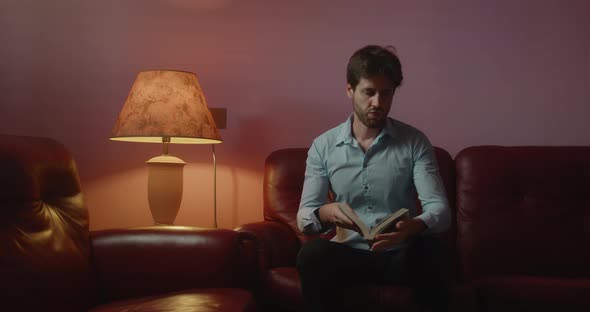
column 519, row 240
column 49, row 261
column 523, row 216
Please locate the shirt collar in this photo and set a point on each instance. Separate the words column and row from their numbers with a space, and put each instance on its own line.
column 390, row 127
column 345, row 134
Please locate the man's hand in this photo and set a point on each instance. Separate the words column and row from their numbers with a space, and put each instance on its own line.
column 330, row 213
column 406, row 229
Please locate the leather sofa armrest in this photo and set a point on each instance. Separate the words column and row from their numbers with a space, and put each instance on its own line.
column 276, row 244
column 154, row 260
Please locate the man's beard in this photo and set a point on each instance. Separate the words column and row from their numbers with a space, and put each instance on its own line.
column 373, row 123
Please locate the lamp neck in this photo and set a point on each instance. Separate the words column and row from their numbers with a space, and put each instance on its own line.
column 166, row 142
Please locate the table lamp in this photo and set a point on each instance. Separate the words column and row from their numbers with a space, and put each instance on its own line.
column 167, row 107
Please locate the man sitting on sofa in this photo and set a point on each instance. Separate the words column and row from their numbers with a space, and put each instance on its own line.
column 376, row 164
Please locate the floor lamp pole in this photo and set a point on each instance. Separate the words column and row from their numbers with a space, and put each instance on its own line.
column 214, row 187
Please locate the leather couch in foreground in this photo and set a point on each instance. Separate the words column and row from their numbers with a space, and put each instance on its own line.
column 49, row 261
column 520, row 238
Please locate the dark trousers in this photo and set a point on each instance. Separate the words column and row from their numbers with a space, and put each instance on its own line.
column 326, row 268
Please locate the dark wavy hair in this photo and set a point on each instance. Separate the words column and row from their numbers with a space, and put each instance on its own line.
column 374, row 60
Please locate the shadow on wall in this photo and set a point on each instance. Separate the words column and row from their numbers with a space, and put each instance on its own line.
column 234, row 195
column 261, row 134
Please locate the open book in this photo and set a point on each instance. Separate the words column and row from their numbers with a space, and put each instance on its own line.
column 384, row 226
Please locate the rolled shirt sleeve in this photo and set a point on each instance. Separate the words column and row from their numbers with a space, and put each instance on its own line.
column 430, row 188
column 314, row 194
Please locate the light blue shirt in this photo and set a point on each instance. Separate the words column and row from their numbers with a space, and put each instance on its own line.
column 375, row 183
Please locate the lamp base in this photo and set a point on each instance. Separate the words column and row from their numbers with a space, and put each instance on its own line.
column 165, row 180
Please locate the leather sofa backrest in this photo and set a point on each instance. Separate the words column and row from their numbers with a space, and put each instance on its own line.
column 523, row 210
column 283, row 182
column 284, row 171
column 44, row 237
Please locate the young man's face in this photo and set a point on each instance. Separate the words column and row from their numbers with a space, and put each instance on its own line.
column 371, row 100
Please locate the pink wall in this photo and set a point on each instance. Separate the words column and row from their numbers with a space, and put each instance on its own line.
column 477, row 72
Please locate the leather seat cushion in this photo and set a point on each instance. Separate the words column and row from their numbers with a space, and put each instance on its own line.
column 283, row 286
column 531, row 293
column 196, row 300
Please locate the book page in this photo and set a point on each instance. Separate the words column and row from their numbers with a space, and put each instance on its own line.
column 345, row 208
column 387, row 222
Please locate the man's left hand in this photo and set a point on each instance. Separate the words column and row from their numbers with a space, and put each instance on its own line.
column 406, row 229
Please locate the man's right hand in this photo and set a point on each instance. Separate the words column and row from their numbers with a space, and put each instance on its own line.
column 330, row 213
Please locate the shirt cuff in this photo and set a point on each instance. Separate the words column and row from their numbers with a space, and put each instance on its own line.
column 313, row 225
column 429, row 220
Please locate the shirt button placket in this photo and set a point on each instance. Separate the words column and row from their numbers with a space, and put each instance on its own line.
column 364, row 174
column 366, row 184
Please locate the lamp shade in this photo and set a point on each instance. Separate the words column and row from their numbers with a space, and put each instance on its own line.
column 166, row 104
